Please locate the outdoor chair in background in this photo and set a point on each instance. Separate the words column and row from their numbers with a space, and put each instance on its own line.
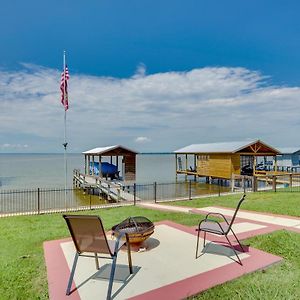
column 89, row 237
column 215, row 227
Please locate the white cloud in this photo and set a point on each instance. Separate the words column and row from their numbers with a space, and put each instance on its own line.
column 174, row 108
column 142, row 139
column 13, row 146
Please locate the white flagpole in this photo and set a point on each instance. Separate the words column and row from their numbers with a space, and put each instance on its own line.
column 65, row 144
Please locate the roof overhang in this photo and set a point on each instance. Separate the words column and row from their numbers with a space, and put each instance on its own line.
column 109, row 150
column 256, row 147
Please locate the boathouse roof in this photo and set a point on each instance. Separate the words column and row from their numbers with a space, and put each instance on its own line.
column 289, row 150
column 256, row 146
column 109, row 149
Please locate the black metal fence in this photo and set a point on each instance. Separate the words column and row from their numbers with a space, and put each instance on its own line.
column 38, row 201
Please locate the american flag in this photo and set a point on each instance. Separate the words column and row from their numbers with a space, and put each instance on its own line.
column 64, row 88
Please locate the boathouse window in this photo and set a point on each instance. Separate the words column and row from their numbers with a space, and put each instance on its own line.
column 203, row 157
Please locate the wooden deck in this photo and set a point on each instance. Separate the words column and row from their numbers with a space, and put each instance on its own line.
column 115, row 190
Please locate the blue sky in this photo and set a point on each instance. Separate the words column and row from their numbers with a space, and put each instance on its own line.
column 152, row 75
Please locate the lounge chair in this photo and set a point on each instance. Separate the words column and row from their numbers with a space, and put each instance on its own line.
column 89, row 237
column 214, row 227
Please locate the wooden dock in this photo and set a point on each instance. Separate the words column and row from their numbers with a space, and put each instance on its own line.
column 114, row 190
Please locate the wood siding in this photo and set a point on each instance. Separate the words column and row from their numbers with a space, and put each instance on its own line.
column 218, row 165
column 130, row 167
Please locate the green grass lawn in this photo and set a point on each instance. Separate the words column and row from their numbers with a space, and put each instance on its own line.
column 285, row 203
column 22, row 267
column 23, row 272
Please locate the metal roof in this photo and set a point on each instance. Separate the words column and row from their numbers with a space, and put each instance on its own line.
column 102, row 150
column 289, row 150
column 227, row 147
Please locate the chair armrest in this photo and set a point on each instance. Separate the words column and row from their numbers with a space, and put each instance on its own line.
column 216, row 214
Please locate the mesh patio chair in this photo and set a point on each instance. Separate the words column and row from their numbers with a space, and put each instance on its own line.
column 89, row 237
column 214, row 227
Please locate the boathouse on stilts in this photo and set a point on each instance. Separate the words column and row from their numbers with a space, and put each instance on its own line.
column 229, row 162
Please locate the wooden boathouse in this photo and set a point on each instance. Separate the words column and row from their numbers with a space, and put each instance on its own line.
column 223, row 160
column 123, row 158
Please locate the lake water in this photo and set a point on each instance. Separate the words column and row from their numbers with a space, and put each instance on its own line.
column 20, row 171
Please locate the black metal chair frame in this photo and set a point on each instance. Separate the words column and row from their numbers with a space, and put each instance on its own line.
column 220, row 230
column 113, row 256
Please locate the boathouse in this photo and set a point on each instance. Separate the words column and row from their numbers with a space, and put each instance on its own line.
column 223, row 160
column 289, row 157
column 114, row 161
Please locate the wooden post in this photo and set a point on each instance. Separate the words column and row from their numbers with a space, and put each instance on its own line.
column 275, row 158
column 195, row 167
column 274, row 183
column 254, row 184
column 186, row 167
column 176, row 165
column 85, row 164
column 93, row 164
column 100, row 167
column 232, row 182
column 89, row 161
column 254, row 165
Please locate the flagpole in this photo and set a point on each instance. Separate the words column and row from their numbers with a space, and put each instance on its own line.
column 65, row 144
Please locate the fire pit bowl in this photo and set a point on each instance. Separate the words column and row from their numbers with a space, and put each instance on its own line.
column 138, row 229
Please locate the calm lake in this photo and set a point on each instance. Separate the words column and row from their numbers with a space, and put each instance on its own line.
column 19, row 171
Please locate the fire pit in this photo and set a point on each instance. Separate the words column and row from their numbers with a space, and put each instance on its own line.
column 137, row 228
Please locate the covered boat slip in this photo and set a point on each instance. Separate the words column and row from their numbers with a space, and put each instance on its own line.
column 120, row 163
column 228, row 161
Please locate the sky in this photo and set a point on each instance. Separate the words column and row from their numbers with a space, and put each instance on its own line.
column 154, row 76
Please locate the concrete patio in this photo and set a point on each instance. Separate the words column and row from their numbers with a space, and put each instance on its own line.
column 167, row 269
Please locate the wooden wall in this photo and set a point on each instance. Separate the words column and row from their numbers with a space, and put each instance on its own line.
column 218, row 165
column 130, row 167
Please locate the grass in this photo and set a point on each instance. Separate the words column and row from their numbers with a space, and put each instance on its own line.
column 286, row 203
column 22, row 267
column 23, row 272
column 277, row 282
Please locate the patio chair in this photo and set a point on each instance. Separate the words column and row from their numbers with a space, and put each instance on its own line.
column 214, row 227
column 89, row 237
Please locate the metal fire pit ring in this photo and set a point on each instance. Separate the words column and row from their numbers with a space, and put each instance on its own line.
column 137, row 228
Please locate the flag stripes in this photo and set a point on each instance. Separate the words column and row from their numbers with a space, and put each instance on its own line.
column 64, row 88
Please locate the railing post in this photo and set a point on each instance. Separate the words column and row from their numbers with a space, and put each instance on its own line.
column 274, row 183
column 219, row 187
column 38, row 198
column 155, row 186
column 134, row 194
column 190, row 190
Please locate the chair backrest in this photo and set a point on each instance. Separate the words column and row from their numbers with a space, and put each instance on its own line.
column 236, row 211
column 88, row 234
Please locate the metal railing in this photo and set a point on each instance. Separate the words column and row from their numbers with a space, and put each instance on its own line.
column 39, row 201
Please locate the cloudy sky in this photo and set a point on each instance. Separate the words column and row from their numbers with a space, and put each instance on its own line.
column 151, row 75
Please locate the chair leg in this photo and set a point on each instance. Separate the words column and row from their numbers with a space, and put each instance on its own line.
column 111, row 278
column 96, row 261
column 239, row 261
column 204, row 239
column 72, row 274
column 238, row 240
column 129, row 254
column 197, row 246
